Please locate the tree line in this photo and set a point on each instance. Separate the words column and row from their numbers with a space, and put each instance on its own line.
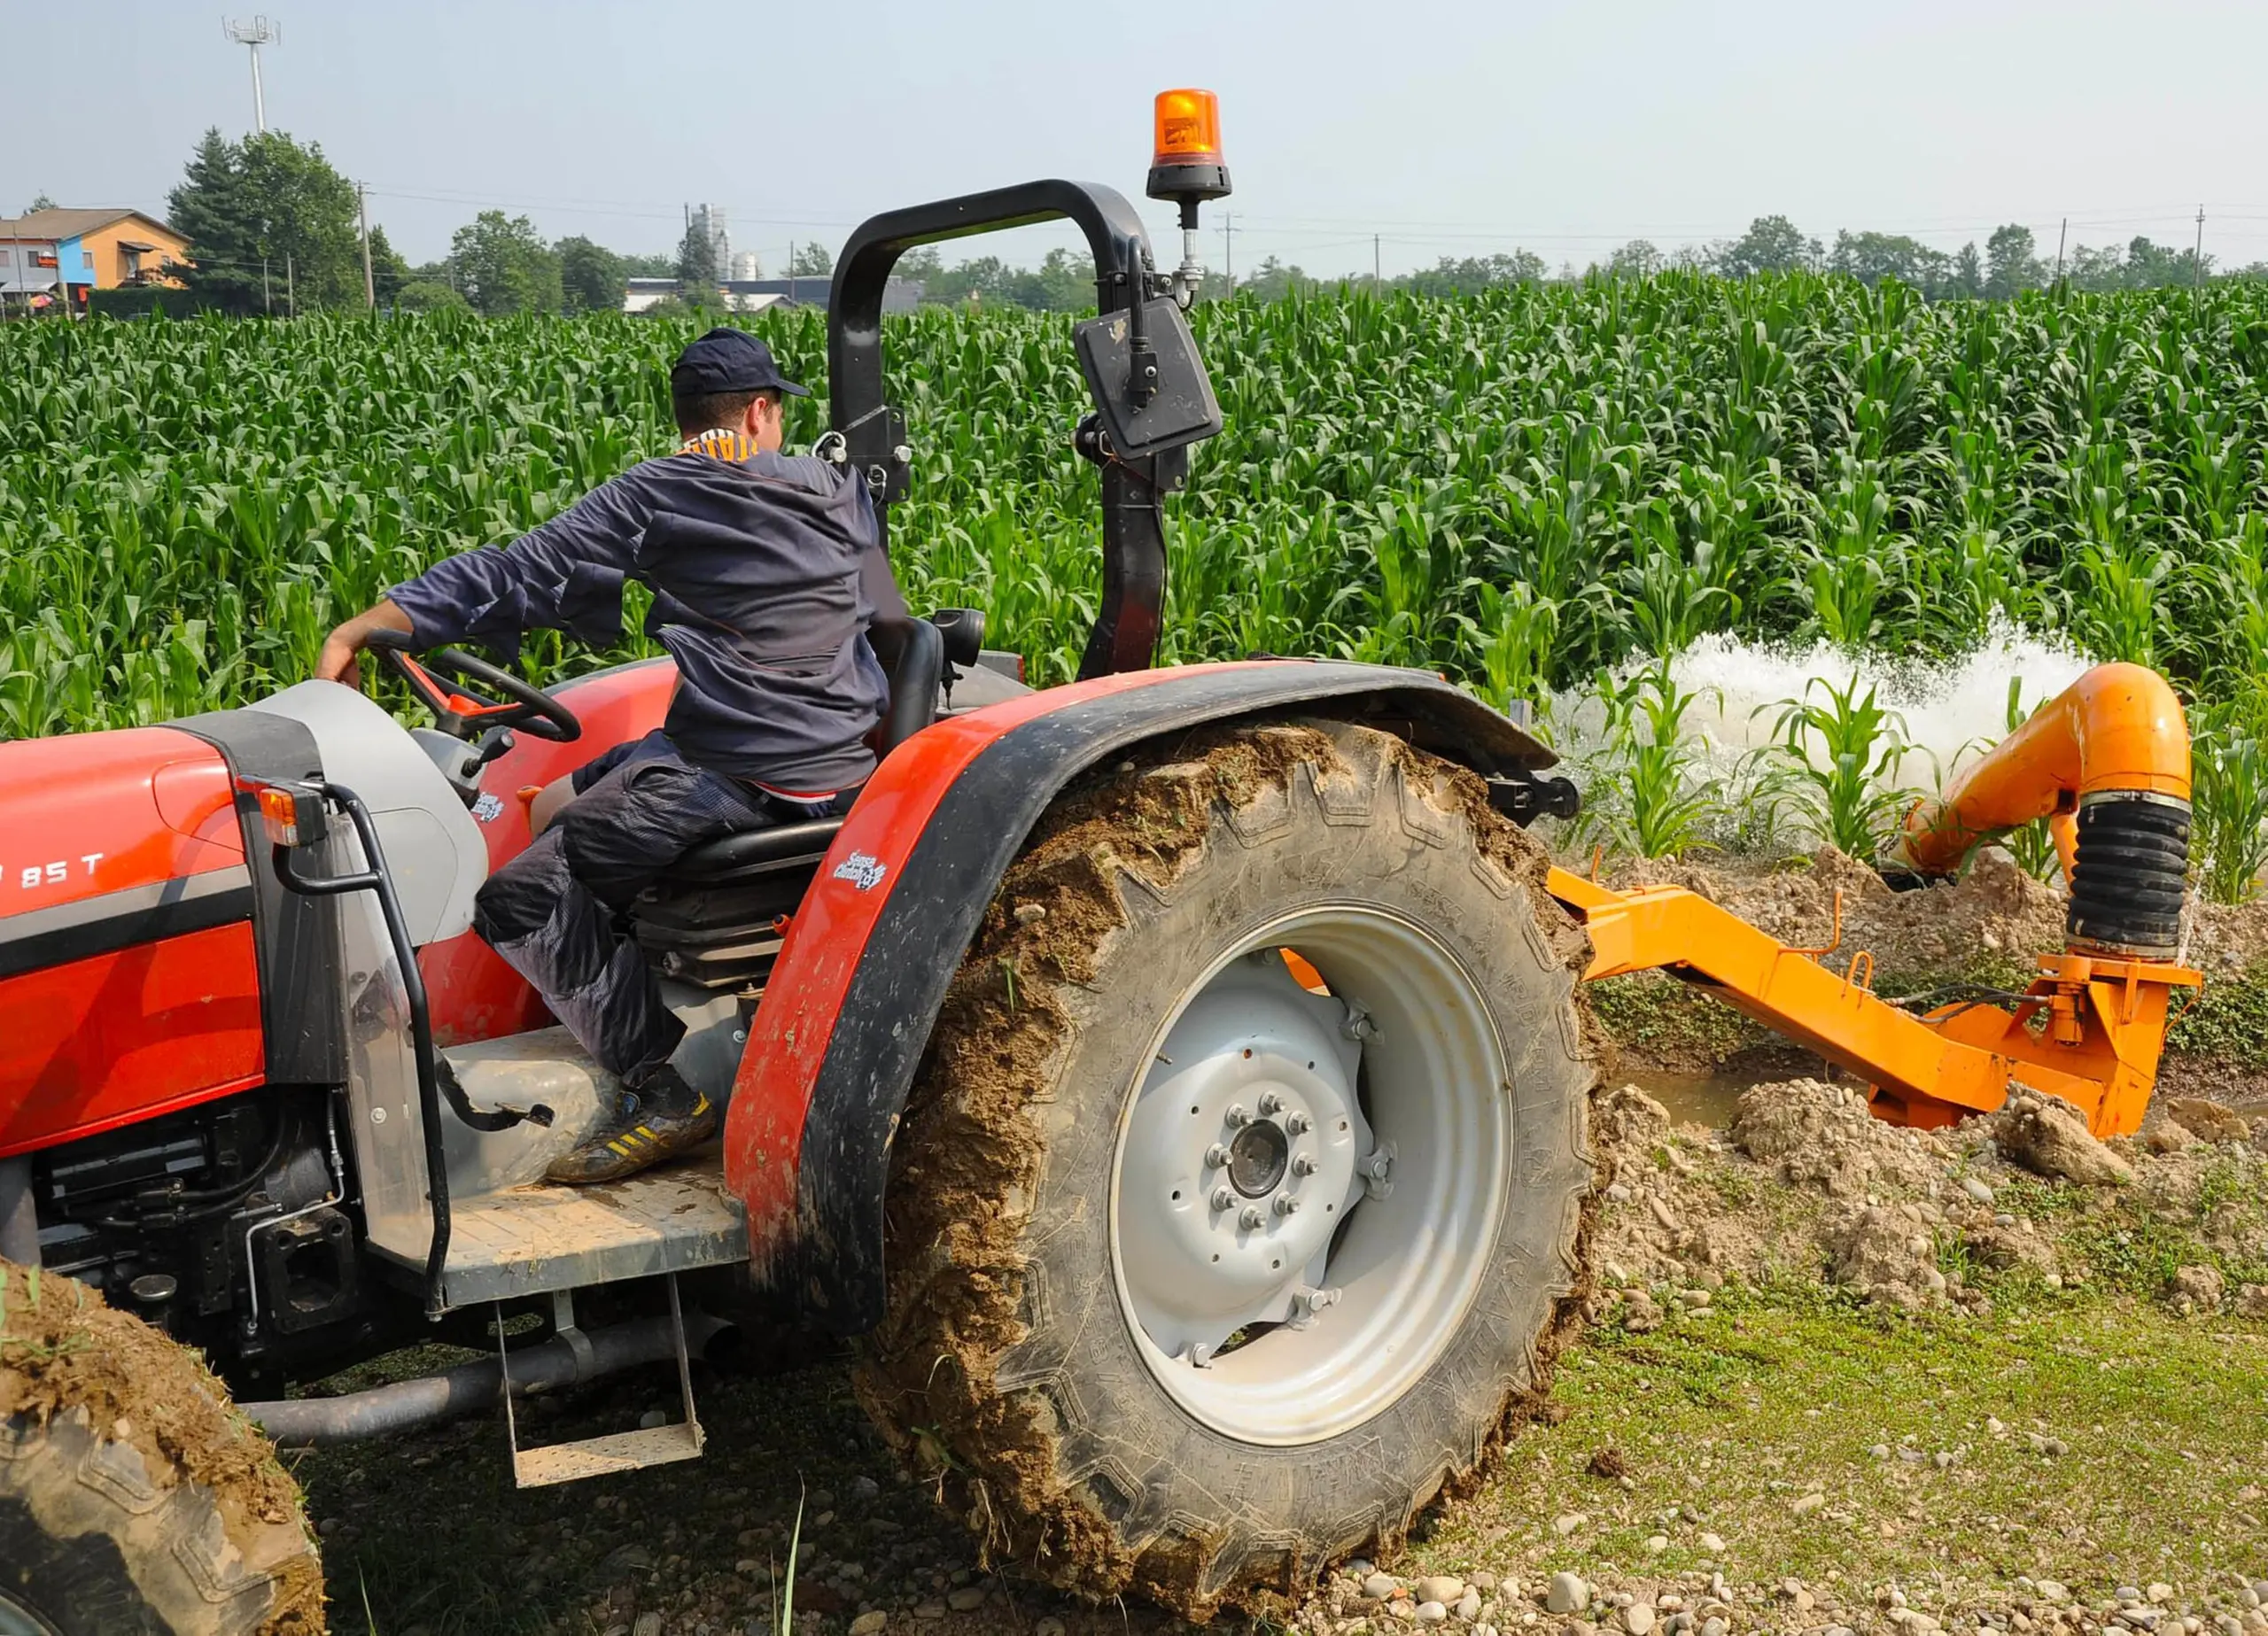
column 273, row 226
column 2011, row 263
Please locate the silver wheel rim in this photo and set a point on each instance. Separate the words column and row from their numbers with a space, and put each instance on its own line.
column 17, row 1620
column 1306, row 1186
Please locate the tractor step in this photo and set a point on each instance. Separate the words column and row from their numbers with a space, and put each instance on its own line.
column 532, row 1240
column 615, row 1452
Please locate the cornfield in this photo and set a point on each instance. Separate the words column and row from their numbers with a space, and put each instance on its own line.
column 1523, row 489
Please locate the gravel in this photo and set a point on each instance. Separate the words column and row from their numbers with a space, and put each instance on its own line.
column 1567, row 1593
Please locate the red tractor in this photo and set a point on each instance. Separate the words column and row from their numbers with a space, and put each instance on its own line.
column 1173, row 1076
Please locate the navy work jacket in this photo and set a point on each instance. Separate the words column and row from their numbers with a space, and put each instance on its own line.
column 767, row 570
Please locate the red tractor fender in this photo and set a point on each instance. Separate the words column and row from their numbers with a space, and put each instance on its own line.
column 863, row 969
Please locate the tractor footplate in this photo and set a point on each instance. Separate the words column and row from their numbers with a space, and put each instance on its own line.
column 530, row 1240
column 615, row 1452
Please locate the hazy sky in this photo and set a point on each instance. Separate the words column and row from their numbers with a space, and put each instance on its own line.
column 1448, row 127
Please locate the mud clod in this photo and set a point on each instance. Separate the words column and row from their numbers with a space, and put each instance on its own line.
column 2051, row 1137
column 1822, row 1136
column 62, row 1351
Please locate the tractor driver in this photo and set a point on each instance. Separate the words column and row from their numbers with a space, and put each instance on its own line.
column 767, row 573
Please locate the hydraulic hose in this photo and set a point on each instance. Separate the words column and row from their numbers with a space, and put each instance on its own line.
column 2113, row 748
column 382, row 1411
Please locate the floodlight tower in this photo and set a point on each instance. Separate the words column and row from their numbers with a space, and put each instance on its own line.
column 258, row 32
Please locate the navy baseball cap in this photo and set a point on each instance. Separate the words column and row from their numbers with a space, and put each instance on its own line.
column 728, row 360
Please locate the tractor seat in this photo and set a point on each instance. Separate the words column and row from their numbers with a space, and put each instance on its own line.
column 915, row 685
column 752, row 852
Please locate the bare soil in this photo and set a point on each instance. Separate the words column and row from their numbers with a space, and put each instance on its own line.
column 1808, row 1186
column 1994, row 912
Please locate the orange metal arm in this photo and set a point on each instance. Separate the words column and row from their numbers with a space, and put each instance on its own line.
column 2102, row 1021
column 2119, row 727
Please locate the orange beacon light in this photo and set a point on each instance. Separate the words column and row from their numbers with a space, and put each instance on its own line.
column 1187, row 166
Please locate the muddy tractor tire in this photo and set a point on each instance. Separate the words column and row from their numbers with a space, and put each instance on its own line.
column 133, row 1502
column 1239, row 1202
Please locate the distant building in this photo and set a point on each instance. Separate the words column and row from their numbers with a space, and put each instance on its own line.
column 641, row 293
column 899, row 295
column 745, row 266
column 53, row 252
column 754, row 295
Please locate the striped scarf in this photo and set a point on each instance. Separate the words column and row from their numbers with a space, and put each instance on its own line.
column 722, row 443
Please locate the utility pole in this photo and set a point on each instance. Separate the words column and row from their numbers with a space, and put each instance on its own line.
column 2197, row 262
column 1377, row 277
column 266, row 297
column 258, row 32
column 290, row 289
column 1229, row 246
column 2061, row 232
column 369, row 281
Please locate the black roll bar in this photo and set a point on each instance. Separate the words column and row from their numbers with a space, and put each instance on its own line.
column 1134, row 554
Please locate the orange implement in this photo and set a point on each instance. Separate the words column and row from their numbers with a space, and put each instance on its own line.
column 2091, row 1026
column 2090, row 1030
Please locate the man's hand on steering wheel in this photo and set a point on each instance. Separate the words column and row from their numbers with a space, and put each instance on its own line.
column 339, row 662
column 521, row 706
column 463, row 715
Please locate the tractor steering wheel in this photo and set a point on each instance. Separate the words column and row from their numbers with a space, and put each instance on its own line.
column 462, row 714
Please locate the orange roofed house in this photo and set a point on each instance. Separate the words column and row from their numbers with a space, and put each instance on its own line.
column 53, row 252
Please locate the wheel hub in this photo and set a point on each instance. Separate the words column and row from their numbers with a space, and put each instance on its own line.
column 1258, row 1159
column 1244, row 1151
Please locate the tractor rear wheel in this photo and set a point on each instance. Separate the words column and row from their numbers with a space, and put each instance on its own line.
column 1238, row 1201
column 131, row 1499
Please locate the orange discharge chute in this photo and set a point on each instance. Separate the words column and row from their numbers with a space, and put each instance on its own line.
column 2120, row 728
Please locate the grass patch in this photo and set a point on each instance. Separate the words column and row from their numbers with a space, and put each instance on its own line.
column 2229, row 1020
column 1660, row 1019
column 1726, row 1420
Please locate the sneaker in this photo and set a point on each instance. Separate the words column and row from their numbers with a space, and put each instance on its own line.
column 663, row 1116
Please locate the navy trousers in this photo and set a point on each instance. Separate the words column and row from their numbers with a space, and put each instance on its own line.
column 556, row 913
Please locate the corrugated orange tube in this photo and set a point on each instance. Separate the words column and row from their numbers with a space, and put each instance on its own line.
column 2117, row 729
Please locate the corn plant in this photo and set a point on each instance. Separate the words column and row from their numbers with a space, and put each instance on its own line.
column 2032, row 845
column 1654, row 795
column 1833, row 767
column 2229, row 800
column 1517, row 488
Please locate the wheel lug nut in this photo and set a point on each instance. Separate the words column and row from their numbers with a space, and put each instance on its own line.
column 1236, row 1115
column 1299, row 1124
column 1251, row 1218
column 1215, row 1157
column 1270, row 1103
column 1223, row 1200
column 1303, row 1166
column 1286, row 1206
